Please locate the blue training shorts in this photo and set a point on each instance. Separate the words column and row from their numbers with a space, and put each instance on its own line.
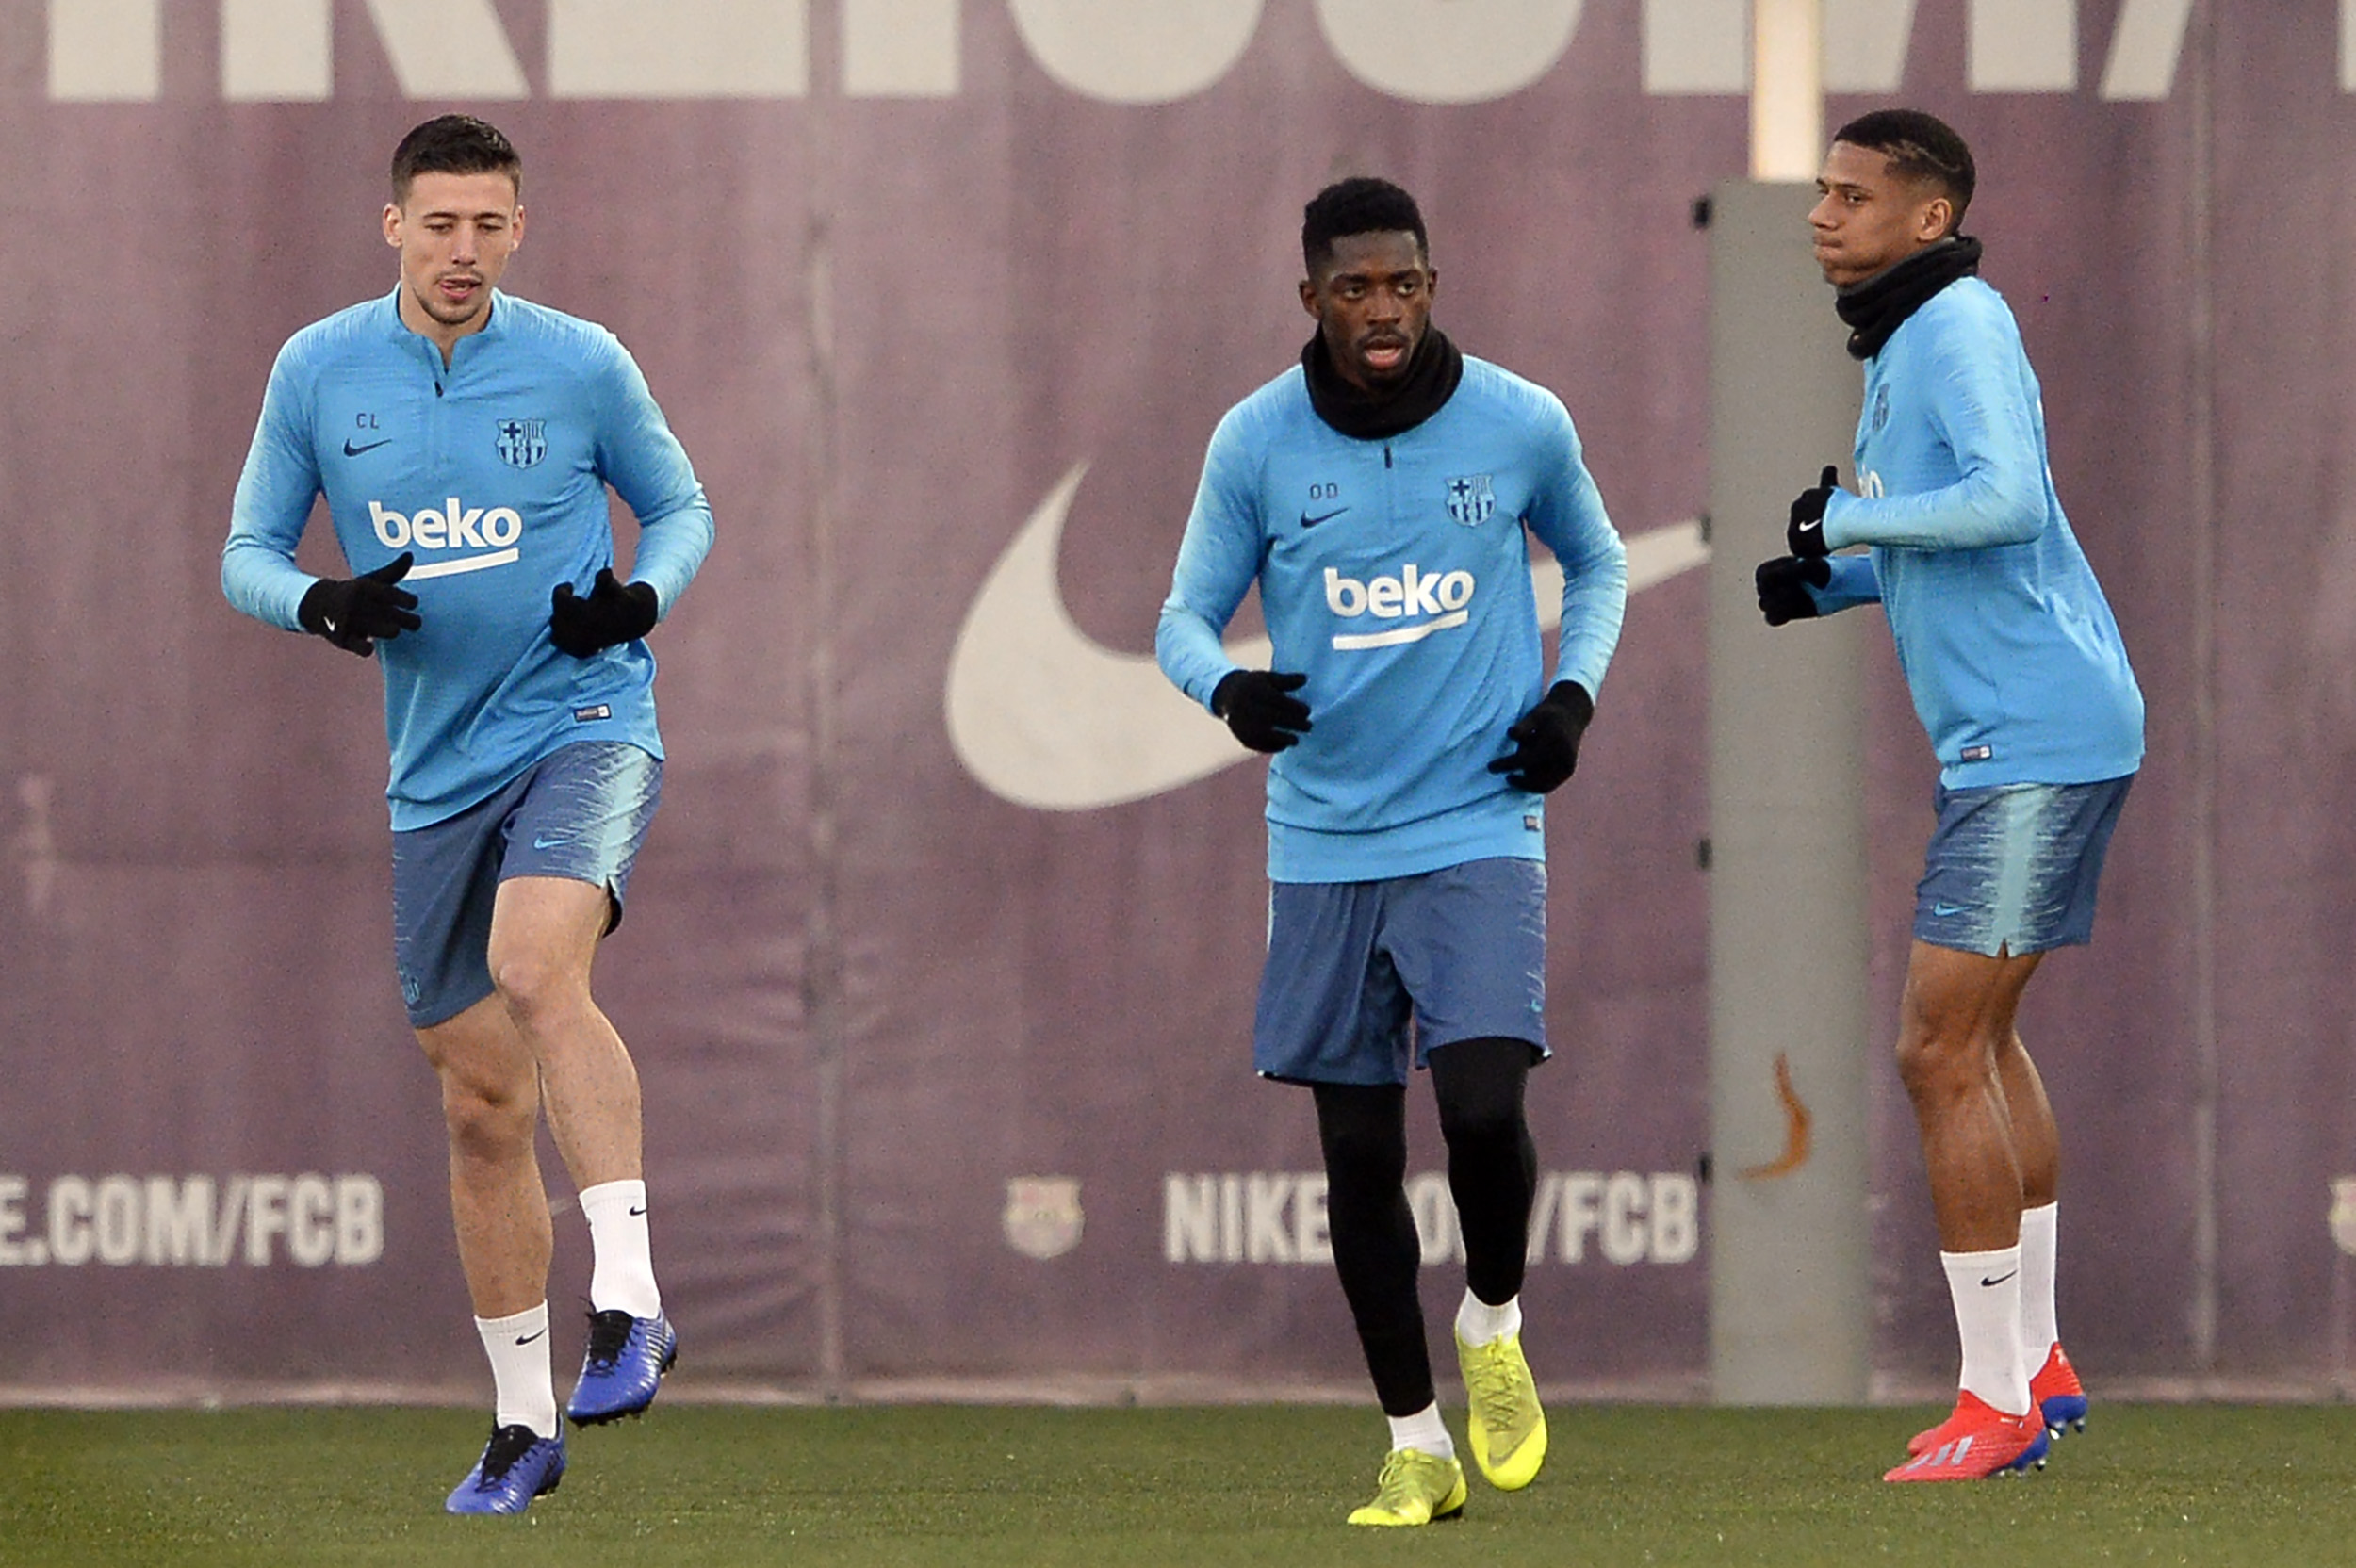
column 581, row 813
column 2012, row 867
column 1460, row 951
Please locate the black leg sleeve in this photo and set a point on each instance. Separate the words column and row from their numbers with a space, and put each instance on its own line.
column 1492, row 1163
column 1363, row 1129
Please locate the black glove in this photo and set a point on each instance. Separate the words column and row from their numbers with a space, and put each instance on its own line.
column 354, row 612
column 1545, row 740
column 1806, row 533
column 612, row 613
column 1259, row 707
column 1783, row 587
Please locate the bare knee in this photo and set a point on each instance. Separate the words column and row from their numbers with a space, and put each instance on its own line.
column 489, row 1119
column 1936, row 1065
column 535, row 986
column 1954, row 1019
column 490, row 1088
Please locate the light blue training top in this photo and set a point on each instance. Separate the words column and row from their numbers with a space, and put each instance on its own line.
column 2016, row 666
column 1395, row 573
column 493, row 472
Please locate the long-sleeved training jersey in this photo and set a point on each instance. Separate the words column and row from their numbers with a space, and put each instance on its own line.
column 492, row 471
column 2016, row 666
column 1396, row 575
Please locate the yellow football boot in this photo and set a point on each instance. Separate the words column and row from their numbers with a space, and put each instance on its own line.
column 1508, row 1429
column 1415, row 1489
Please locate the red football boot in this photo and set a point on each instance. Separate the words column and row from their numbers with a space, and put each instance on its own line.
column 1977, row 1442
column 2058, row 1394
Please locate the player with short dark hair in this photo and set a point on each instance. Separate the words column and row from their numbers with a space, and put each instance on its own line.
column 1359, row 205
column 455, row 144
column 1921, row 150
column 1380, row 494
column 2020, row 679
column 465, row 440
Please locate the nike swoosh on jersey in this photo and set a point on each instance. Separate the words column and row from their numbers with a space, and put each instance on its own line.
column 351, row 450
column 1119, row 731
column 1308, row 521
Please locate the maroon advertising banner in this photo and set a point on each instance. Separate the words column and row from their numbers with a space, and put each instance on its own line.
column 941, row 956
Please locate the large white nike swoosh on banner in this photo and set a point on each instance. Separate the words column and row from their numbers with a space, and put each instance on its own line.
column 1117, row 731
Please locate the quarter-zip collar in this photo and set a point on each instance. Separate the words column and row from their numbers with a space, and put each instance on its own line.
column 493, row 327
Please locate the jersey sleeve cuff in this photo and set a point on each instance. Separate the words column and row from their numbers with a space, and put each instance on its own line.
column 1838, row 508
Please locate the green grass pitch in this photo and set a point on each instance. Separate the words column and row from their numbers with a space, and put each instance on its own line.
column 972, row 1487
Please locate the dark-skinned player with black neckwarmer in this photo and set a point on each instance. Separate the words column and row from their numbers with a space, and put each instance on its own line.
column 1380, row 494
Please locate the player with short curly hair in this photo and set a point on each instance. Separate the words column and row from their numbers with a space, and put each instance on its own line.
column 1380, row 494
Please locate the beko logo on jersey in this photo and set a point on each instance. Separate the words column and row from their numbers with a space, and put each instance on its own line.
column 1440, row 596
column 453, row 527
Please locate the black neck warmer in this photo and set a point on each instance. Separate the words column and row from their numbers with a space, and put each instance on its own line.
column 1878, row 307
column 1432, row 373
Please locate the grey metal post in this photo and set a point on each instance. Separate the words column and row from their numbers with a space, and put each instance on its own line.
column 1790, row 1292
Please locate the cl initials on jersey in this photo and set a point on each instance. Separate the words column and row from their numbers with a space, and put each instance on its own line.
column 1441, row 596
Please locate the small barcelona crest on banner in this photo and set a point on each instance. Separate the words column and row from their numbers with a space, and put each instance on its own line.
column 523, row 442
column 1043, row 1219
column 1470, row 499
column 2344, row 1212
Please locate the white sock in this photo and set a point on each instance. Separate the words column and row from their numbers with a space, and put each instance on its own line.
column 1423, row 1431
column 1478, row 1323
column 518, row 1348
column 1986, row 1291
column 2038, row 1243
column 623, row 1275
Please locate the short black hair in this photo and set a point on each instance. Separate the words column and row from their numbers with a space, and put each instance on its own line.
column 1362, row 204
column 1920, row 147
column 454, row 145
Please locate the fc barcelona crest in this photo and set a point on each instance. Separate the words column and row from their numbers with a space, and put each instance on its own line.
column 1043, row 1219
column 1470, row 499
column 523, row 442
column 2344, row 1212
